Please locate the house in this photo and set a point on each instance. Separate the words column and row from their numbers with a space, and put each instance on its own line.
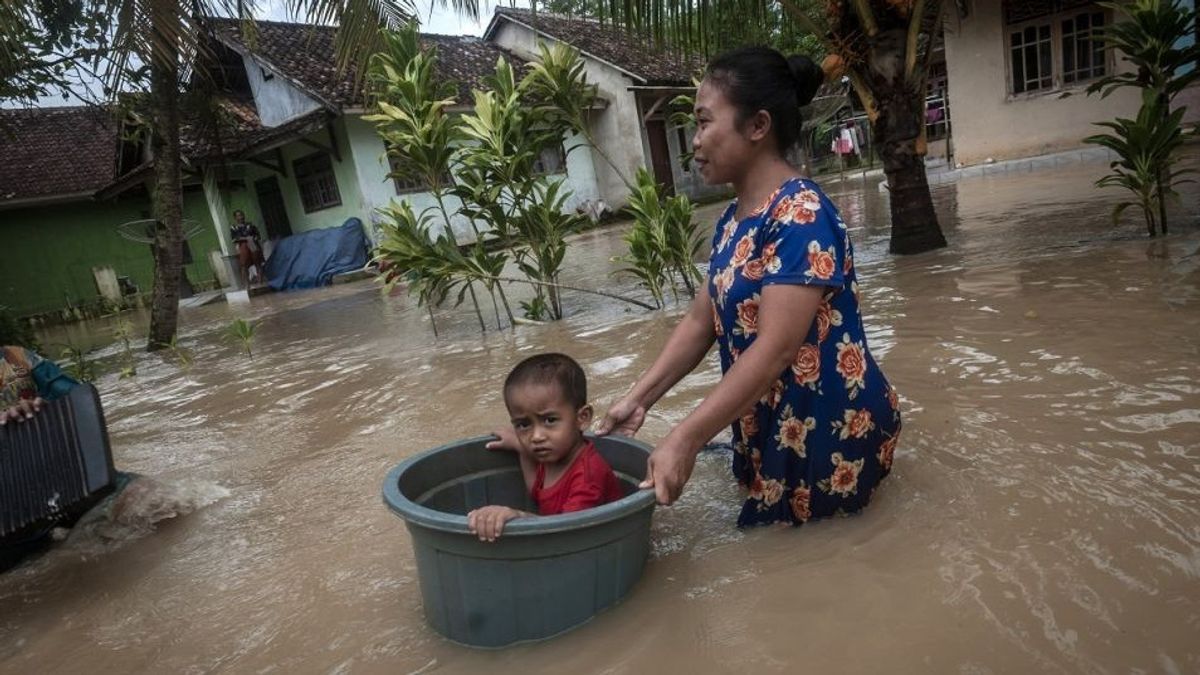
column 1008, row 65
column 637, row 81
column 57, row 233
column 285, row 141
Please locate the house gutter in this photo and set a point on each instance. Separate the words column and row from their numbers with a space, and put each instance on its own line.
column 46, row 200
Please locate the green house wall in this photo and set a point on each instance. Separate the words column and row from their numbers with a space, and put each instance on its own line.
column 48, row 252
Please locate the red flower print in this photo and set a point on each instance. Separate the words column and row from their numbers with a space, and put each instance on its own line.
column 848, row 264
column 820, row 263
column 722, row 281
column 801, row 501
column 749, row 424
column 745, row 247
column 886, row 451
column 720, row 331
column 851, row 364
column 859, row 423
column 844, row 480
column 809, row 199
column 783, row 210
column 726, row 235
column 753, row 269
column 770, row 262
column 771, row 398
column 772, row 492
column 747, row 311
column 807, row 367
column 894, row 398
column 793, row 432
column 827, row 316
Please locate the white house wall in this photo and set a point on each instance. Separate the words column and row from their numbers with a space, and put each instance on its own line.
column 277, row 100
column 377, row 190
column 617, row 128
column 988, row 122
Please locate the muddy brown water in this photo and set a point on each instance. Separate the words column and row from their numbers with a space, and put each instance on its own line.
column 1043, row 515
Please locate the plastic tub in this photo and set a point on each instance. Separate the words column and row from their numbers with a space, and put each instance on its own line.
column 545, row 575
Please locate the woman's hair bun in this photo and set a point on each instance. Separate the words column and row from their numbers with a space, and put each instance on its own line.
column 808, row 76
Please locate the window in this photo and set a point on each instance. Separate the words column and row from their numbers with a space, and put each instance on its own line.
column 1082, row 49
column 318, row 186
column 551, row 160
column 1030, row 49
column 937, row 109
column 1053, row 43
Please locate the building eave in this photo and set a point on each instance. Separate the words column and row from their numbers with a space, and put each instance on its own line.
column 493, row 26
column 245, row 52
column 45, row 200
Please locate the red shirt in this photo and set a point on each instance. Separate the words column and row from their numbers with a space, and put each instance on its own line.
column 588, row 482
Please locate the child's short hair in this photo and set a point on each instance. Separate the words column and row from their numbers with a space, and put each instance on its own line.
column 559, row 369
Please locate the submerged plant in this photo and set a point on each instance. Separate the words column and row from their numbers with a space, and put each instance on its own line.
column 123, row 332
column 182, row 354
column 487, row 160
column 663, row 242
column 243, row 331
column 78, row 366
column 1151, row 39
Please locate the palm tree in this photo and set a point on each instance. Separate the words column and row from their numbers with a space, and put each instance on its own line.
column 162, row 40
column 882, row 46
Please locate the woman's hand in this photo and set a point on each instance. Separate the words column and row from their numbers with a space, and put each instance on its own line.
column 24, row 409
column 488, row 522
column 624, row 418
column 669, row 468
column 506, row 439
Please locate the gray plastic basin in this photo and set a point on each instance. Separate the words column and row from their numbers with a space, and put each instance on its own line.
column 545, row 575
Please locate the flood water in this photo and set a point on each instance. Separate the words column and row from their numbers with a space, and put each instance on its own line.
column 1043, row 514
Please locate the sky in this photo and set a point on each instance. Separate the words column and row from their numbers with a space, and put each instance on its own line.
column 433, row 17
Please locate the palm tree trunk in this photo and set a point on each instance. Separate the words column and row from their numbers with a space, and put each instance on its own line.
column 168, row 205
column 899, row 128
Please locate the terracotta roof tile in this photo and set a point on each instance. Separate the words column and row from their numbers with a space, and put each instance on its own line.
column 613, row 44
column 55, row 151
column 304, row 53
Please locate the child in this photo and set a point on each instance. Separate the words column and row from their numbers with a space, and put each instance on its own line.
column 546, row 397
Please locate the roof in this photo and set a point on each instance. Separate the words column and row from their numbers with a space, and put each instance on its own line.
column 304, row 54
column 46, row 152
column 624, row 50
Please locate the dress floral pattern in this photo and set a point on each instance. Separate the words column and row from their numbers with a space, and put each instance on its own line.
column 822, row 438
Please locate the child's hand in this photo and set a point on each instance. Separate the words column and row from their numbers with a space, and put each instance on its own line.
column 506, row 439
column 488, row 522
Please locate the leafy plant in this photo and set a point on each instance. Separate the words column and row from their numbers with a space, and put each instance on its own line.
column 486, row 159
column 663, row 241
column 535, row 309
column 244, row 332
column 1146, row 147
column 182, row 354
column 123, row 332
column 79, row 366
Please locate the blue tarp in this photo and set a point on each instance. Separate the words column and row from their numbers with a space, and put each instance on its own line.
column 311, row 258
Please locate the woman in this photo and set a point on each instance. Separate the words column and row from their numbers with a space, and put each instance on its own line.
column 814, row 420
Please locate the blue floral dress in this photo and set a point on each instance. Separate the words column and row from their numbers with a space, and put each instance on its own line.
column 822, row 438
